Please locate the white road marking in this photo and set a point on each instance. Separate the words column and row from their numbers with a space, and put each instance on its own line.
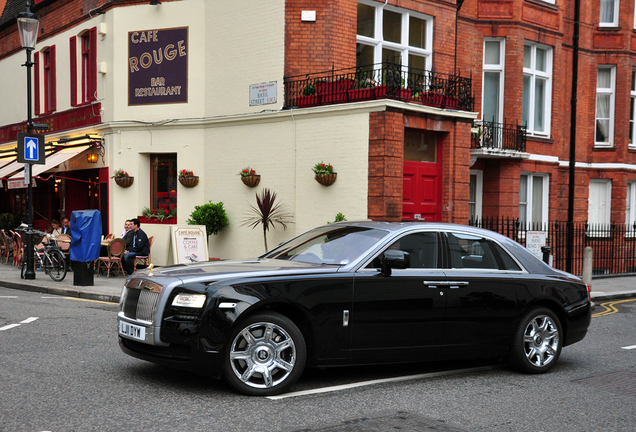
column 630, row 347
column 380, row 381
column 8, row 296
column 10, row 326
column 28, row 320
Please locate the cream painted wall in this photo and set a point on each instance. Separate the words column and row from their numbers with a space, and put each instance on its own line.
column 245, row 45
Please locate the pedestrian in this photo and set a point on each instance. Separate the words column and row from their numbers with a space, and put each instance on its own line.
column 66, row 226
column 127, row 234
column 139, row 246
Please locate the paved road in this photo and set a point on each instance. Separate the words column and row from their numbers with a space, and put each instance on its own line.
column 62, row 371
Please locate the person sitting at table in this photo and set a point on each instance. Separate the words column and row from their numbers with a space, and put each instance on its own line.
column 55, row 230
column 128, row 233
column 140, row 246
column 66, row 226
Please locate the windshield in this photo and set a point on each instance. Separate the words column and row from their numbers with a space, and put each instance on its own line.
column 337, row 245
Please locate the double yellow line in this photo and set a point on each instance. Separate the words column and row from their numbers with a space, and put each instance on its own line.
column 610, row 307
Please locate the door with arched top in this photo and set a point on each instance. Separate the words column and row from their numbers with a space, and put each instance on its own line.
column 422, row 186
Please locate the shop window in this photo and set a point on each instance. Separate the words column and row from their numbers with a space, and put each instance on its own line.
column 163, row 182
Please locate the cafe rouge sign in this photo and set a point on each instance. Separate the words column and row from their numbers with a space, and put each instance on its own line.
column 158, row 66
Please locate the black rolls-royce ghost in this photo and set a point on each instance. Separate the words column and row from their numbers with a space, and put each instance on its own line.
column 354, row 293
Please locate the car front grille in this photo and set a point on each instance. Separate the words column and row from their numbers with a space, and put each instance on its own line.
column 140, row 299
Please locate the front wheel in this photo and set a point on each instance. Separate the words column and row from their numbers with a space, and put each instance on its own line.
column 537, row 342
column 265, row 356
column 56, row 267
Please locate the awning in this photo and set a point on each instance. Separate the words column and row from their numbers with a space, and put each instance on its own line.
column 52, row 160
column 10, row 168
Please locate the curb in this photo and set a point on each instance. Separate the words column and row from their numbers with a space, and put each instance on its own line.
column 65, row 292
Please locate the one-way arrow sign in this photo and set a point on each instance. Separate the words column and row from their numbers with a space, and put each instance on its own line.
column 31, row 148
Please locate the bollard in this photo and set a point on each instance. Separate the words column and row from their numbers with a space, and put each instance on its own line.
column 546, row 254
column 587, row 265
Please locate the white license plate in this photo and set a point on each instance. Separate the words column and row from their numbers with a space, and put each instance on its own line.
column 132, row 331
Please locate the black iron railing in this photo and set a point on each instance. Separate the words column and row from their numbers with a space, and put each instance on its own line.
column 613, row 245
column 493, row 135
column 380, row 81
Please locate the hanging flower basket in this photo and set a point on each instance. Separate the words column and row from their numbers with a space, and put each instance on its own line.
column 124, row 181
column 326, row 179
column 190, row 181
column 251, row 180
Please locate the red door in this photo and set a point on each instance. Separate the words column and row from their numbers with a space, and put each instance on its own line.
column 422, row 186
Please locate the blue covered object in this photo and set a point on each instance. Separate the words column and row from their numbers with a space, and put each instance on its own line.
column 86, row 235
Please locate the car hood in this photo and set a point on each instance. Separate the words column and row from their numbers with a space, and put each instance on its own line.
column 217, row 270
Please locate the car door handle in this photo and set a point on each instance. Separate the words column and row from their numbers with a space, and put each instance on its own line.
column 451, row 284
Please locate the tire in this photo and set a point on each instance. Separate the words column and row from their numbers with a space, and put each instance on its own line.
column 537, row 342
column 56, row 267
column 265, row 355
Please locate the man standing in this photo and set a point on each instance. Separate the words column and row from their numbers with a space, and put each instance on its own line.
column 66, row 226
column 139, row 246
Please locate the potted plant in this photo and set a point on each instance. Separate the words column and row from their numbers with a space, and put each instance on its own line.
column 249, row 177
column 122, row 178
column 364, row 89
column 324, row 174
column 161, row 215
column 188, row 179
column 211, row 215
column 309, row 97
column 267, row 213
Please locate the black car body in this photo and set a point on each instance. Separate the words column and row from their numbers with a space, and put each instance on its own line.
column 355, row 293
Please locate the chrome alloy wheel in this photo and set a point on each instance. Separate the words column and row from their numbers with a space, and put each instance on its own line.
column 541, row 341
column 263, row 355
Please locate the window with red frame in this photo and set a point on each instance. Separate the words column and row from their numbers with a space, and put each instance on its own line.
column 48, row 67
column 89, row 65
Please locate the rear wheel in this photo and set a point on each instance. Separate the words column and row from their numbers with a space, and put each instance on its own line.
column 266, row 355
column 56, row 267
column 537, row 343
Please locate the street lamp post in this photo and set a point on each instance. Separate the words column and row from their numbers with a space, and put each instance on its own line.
column 28, row 27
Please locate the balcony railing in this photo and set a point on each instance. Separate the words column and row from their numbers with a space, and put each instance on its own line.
column 493, row 135
column 380, row 81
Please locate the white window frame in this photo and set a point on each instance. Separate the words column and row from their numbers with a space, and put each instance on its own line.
column 591, row 212
column 545, row 195
column 630, row 208
column 605, row 91
column 534, row 75
column 479, row 187
column 379, row 43
column 632, row 118
column 614, row 18
column 494, row 68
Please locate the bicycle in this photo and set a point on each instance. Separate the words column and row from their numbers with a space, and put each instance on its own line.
column 49, row 258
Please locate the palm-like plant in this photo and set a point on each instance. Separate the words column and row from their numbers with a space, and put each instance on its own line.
column 267, row 213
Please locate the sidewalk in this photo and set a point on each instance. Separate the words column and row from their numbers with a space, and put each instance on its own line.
column 109, row 289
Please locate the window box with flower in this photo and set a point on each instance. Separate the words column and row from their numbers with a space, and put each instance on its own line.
column 188, row 179
column 249, row 177
column 324, row 174
column 158, row 216
column 122, row 178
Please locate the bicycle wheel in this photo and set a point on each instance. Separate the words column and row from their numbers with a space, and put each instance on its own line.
column 55, row 265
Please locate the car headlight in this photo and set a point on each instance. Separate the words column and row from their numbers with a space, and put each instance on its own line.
column 189, row 300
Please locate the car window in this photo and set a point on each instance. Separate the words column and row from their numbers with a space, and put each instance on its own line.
column 422, row 249
column 471, row 251
column 508, row 262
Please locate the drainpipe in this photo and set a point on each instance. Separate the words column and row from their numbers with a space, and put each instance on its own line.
column 459, row 6
column 575, row 77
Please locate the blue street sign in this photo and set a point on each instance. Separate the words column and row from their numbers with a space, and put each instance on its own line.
column 31, row 149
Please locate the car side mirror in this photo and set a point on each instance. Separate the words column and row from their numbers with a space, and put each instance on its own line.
column 391, row 259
